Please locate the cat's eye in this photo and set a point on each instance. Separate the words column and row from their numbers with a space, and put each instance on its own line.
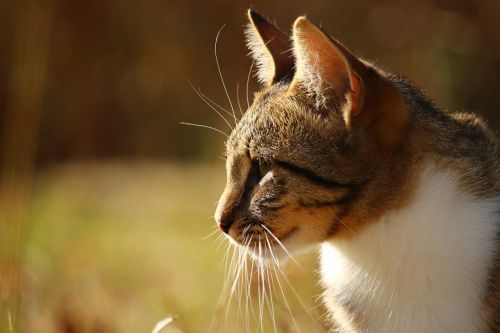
column 257, row 172
column 264, row 168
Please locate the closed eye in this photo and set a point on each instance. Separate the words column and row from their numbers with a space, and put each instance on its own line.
column 264, row 168
column 258, row 170
column 313, row 177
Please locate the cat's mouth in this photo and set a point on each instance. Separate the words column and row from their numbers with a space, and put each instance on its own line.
column 263, row 242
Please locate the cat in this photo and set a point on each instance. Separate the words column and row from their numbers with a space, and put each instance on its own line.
column 402, row 197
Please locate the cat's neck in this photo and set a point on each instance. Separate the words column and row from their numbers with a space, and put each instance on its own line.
column 420, row 268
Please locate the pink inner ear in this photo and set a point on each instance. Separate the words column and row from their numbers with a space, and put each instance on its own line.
column 325, row 62
column 325, row 58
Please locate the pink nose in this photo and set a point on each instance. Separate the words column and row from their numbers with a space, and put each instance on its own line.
column 225, row 227
column 225, row 214
column 226, row 218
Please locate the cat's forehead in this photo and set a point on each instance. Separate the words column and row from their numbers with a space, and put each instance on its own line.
column 267, row 117
column 280, row 126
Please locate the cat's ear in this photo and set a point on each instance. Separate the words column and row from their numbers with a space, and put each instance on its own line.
column 325, row 68
column 271, row 49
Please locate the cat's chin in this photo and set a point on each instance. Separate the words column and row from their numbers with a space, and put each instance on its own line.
column 275, row 254
column 273, row 257
column 271, row 249
column 278, row 255
column 266, row 253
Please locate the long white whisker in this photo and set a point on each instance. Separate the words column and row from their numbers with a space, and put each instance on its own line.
column 295, row 293
column 232, row 274
column 205, row 99
column 243, row 274
column 238, row 272
column 238, row 98
column 249, row 288
column 282, row 246
column 242, row 285
column 225, row 259
column 283, row 293
column 215, row 322
column 278, row 267
column 270, row 301
column 215, row 104
column 239, row 269
column 263, row 280
column 205, row 126
column 219, row 241
column 248, row 82
column 211, row 234
column 236, row 277
column 345, row 225
column 261, row 291
column 220, row 73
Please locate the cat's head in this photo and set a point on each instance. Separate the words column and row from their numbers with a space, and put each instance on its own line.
column 309, row 160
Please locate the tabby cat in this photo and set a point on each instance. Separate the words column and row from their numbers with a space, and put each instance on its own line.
column 403, row 197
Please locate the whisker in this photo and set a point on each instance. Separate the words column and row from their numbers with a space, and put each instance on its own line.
column 205, row 126
column 247, row 286
column 248, row 82
column 296, row 294
column 215, row 322
column 204, row 99
column 249, row 289
column 264, row 286
column 210, row 234
column 261, row 290
column 232, row 273
column 278, row 267
column 282, row 246
column 271, row 302
column 236, row 278
column 282, row 291
column 242, row 278
column 271, row 278
column 228, row 262
column 238, row 98
column 219, row 241
column 239, row 270
column 215, row 103
column 220, row 73
column 345, row 225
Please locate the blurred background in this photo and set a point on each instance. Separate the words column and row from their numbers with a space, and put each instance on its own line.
column 106, row 200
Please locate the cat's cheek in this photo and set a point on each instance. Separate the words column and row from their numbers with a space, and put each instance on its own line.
column 301, row 227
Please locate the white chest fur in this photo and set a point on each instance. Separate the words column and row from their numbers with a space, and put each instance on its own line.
column 419, row 269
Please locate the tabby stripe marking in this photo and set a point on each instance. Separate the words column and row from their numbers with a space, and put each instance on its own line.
column 313, row 177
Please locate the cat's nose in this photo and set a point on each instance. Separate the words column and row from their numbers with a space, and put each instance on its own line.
column 226, row 209
column 225, row 224
column 225, row 218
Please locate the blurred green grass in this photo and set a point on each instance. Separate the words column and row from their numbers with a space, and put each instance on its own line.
column 117, row 246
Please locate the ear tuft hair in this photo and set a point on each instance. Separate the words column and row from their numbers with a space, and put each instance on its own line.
column 262, row 59
column 270, row 48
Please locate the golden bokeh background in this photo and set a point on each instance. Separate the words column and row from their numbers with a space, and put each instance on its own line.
column 106, row 199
